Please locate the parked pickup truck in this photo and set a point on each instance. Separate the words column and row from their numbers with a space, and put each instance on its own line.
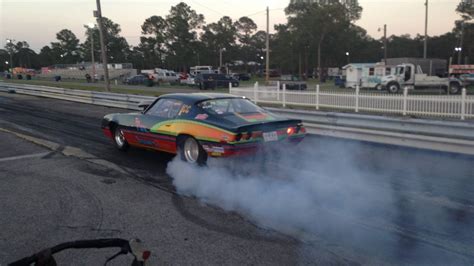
column 407, row 75
column 292, row 83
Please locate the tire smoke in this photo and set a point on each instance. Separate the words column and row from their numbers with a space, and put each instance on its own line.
column 323, row 191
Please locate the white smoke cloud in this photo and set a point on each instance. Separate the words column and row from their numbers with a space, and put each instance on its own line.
column 331, row 191
column 290, row 192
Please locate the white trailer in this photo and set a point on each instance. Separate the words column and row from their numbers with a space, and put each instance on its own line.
column 367, row 75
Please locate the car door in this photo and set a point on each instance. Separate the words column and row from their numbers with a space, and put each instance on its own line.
column 222, row 80
column 154, row 129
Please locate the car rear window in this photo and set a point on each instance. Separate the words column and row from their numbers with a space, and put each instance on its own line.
column 228, row 106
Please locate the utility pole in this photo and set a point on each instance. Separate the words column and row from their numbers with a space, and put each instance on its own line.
column 267, row 75
column 461, row 41
column 98, row 15
column 11, row 42
column 220, row 59
column 92, row 52
column 385, row 43
column 425, row 50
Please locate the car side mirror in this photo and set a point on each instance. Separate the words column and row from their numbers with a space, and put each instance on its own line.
column 144, row 105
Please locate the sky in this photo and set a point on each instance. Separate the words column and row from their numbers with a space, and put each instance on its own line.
column 38, row 21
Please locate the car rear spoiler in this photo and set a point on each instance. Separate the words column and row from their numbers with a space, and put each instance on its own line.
column 269, row 126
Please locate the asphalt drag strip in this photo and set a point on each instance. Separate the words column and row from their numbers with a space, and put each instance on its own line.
column 65, row 196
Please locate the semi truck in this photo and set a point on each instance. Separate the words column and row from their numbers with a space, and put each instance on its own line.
column 412, row 77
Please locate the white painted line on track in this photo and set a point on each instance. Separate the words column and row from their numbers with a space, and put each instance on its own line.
column 21, row 157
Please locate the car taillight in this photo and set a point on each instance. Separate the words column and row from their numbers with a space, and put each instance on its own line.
column 290, row 131
column 146, row 254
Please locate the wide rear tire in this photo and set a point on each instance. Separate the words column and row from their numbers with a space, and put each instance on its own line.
column 191, row 151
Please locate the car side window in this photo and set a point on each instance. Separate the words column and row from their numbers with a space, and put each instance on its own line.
column 165, row 108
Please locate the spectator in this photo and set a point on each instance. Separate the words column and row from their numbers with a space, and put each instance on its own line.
column 88, row 78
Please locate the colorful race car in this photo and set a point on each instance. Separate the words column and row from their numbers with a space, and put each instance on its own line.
column 199, row 125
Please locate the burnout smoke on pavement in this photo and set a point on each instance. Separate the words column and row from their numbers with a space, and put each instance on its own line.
column 316, row 189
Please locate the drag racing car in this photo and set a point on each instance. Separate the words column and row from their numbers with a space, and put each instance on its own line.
column 199, row 125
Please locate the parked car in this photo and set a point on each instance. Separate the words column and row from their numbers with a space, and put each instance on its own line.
column 189, row 81
column 212, row 81
column 273, row 73
column 292, row 82
column 242, row 76
column 198, row 125
column 166, row 76
column 137, row 80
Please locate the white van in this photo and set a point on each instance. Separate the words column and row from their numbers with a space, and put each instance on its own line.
column 202, row 70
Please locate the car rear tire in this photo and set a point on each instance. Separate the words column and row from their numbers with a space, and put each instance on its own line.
column 119, row 139
column 191, row 151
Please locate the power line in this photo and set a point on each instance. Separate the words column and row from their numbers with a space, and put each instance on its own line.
column 208, row 8
column 263, row 11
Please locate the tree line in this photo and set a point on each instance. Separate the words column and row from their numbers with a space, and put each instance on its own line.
column 314, row 36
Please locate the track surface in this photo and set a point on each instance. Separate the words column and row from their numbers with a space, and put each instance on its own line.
column 67, row 198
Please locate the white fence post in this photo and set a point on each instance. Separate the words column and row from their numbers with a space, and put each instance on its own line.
column 357, row 99
column 405, row 99
column 278, row 90
column 255, row 92
column 463, row 104
column 230, row 87
column 317, row 97
column 284, row 95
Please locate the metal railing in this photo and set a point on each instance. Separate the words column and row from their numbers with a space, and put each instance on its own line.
column 126, row 101
column 449, row 106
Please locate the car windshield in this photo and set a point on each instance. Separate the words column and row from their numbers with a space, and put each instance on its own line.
column 222, row 107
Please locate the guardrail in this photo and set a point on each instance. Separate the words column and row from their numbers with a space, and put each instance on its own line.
column 448, row 136
column 126, row 101
column 452, row 106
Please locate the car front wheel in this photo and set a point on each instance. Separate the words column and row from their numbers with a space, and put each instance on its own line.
column 191, row 152
column 393, row 87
